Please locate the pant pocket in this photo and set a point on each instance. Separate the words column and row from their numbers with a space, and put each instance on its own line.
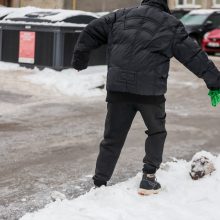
column 161, row 116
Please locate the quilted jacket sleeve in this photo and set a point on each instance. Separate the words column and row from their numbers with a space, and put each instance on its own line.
column 93, row 36
column 189, row 53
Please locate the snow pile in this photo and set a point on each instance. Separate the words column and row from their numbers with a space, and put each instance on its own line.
column 54, row 15
column 67, row 82
column 71, row 82
column 6, row 66
column 5, row 11
column 58, row 14
column 181, row 198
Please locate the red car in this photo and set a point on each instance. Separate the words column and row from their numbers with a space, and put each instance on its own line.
column 211, row 42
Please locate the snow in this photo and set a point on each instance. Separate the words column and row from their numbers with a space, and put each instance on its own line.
column 57, row 196
column 200, row 154
column 57, row 24
column 202, row 165
column 204, row 11
column 60, row 14
column 67, row 82
column 103, row 13
column 5, row 11
column 181, row 198
column 71, row 82
column 7, row 66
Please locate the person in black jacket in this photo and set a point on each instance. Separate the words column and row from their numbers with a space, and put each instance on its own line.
column 140, row 43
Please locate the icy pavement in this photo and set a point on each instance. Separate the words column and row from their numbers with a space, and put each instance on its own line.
column 50, row 135
column 181, row 198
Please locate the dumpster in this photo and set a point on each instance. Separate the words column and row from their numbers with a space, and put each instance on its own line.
column 44, row 38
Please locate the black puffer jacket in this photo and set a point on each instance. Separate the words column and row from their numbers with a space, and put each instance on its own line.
column 141, row 41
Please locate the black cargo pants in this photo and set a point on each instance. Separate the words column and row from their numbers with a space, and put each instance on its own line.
column 118, row 122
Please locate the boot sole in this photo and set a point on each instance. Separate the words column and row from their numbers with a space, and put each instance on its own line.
column 145, row 192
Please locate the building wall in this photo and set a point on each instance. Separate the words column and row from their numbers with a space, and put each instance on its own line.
column 105, row 5
column 92, row 5
column 172, row 4
column 207, row 4
column 38, row 3
column 4, row 3
column 87, row 5
column 204, row 4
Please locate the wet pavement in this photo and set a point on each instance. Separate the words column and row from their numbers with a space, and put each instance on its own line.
column 49, row 142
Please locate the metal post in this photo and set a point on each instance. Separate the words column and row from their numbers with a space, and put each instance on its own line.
column 74, row 4
column 58, row 50
column 207, row 4
column 103, row 5
column 0, row 43
column 172, row 4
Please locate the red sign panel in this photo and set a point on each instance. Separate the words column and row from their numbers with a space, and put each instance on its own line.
column 27, row 47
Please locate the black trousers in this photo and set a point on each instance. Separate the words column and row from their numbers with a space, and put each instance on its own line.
column 118, row 122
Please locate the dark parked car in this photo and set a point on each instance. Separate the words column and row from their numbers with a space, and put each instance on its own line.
column 199, row 22
column 179, row 13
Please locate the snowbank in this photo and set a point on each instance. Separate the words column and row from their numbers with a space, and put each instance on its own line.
column 68, row 82
column 182, row 199
column 7, row 66
column 71, row 82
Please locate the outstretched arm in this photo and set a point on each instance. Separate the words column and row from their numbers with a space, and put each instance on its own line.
column 93, row 36
column 194, row 58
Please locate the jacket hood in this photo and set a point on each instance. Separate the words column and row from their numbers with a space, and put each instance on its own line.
column 162, row 4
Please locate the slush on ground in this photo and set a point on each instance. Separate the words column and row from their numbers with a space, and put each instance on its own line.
column 51, row 124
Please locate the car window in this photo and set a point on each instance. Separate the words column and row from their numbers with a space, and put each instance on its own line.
column 194, row 19
column 215, row 19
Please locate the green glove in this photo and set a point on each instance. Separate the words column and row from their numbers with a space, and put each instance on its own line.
column 215, row 97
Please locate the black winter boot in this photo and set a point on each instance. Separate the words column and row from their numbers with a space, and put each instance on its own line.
column 98, row 183
column 149, row 185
